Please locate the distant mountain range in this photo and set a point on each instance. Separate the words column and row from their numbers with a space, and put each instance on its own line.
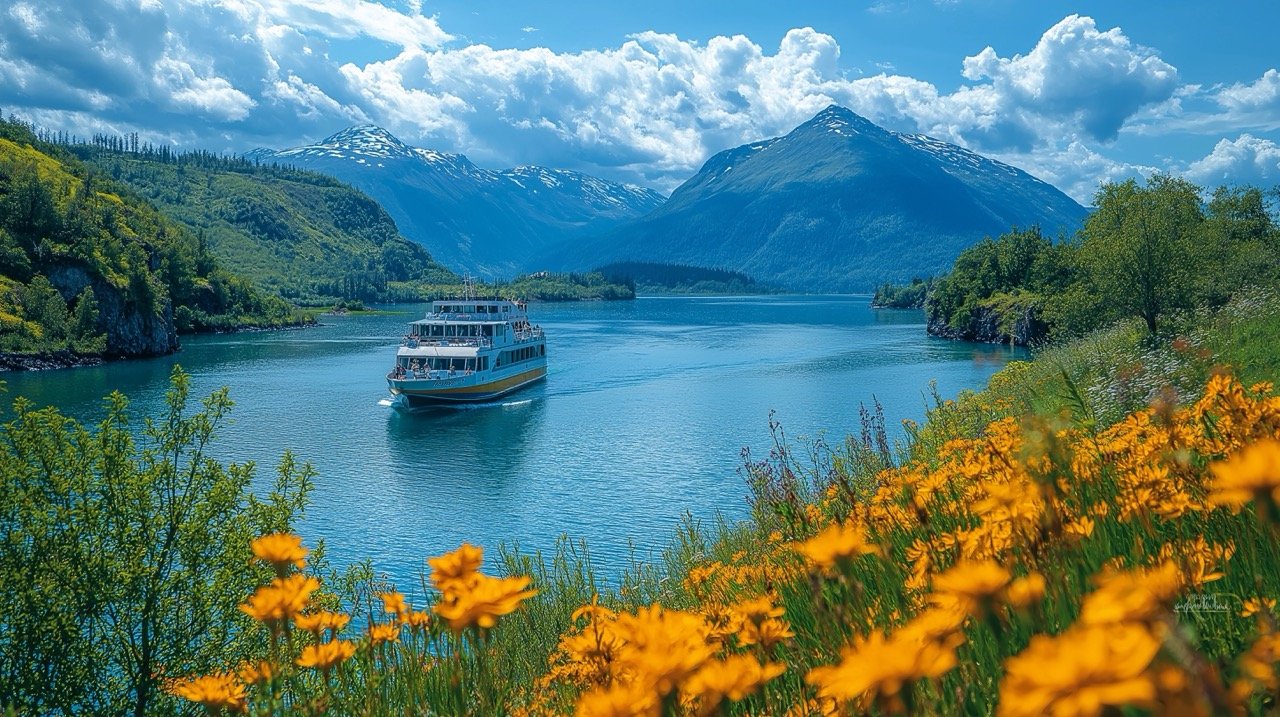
column 471, row 219
column 838, row 204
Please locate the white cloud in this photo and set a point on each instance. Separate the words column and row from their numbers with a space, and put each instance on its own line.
column 1262, row 95
column 528, row 28
column 1089, row 80
column 354, row 18
column 1246, row 160
column 251, row 72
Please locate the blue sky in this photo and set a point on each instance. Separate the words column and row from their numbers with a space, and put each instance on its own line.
column 1076, row 93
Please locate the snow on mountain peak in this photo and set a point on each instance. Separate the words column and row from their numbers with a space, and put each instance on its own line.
column 354, row 143
column 840, row 120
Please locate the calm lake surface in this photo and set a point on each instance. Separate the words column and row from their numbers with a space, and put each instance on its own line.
column 643, row 416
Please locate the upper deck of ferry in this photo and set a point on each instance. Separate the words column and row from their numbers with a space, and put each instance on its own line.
column 471, row 323
column 477, row 310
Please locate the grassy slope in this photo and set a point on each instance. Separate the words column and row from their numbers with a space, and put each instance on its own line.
column 302, row 235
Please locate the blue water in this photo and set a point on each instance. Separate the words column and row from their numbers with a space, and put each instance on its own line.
column 643, row 416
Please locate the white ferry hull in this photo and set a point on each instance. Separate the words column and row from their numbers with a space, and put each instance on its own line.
column 474, row 388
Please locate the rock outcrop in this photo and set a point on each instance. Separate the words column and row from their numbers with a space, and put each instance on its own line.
column 1018, row 326
column 133, row 329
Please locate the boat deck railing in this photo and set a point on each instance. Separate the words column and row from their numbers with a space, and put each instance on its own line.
column 427, row 374
column 477, row 341
column 494, row 316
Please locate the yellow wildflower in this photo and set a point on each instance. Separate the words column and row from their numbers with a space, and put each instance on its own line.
column 836, row 543
column 971, row 585
column 254, row 672
column 620, row 700
column 281, row 599
column 1253, row 606
column 1079, row 528
column 825, row 707
column 380, row 633
column 1027, row 590
column 393, row 603
column 280, row 550
column 417, row 619
column 325, row 655
column 1136, row 595
column 483, row 600
column 215, row 692
column 453, row 570
column 323, row 620
column 878, row 667
column 1251, row 474
column 662, row 647
column 1080, row 671
column 1257, row 667
column 734, row 678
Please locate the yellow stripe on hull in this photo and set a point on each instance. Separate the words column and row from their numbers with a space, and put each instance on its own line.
column 478, row 392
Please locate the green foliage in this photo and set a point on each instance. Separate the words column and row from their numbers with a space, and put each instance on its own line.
column 64, row 228
column 124, row 552
column 548, row 286
column 1006, row 277
column 902, row 296
column 1138, row 248
column 304, row 236
column 1149, row 252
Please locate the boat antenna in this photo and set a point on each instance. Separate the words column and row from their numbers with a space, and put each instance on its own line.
column 468, row 288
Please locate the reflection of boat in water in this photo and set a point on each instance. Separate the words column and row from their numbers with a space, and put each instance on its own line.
column 467, row 350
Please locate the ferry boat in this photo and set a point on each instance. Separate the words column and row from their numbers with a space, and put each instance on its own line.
column 466, row 351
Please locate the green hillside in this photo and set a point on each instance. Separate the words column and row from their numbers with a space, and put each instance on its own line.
column 302, row 235
column 88, row 267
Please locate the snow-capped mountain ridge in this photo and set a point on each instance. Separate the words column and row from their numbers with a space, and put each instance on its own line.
column 471, row 218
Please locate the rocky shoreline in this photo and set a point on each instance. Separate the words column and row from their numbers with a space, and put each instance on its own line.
column 47, row 361
column 51, row 360
column 987, row 326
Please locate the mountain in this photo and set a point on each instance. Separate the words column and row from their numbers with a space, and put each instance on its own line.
column 839, row 204
column 470, row 218
column 303, row 235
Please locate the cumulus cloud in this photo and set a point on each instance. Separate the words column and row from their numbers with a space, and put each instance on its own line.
column 1245, row 160
column 1079, row 76
column 1262, row 95
column 193, row 68
column 353, row 18
column 652, row 109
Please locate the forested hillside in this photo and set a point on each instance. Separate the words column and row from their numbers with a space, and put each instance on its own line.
column 305, row 236
column 88, row 267
column 1151, row 252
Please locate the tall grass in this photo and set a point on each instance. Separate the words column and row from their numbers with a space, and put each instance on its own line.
column 1096, row 532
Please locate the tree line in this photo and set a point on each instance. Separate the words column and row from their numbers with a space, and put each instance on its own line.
column 1147, row 251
